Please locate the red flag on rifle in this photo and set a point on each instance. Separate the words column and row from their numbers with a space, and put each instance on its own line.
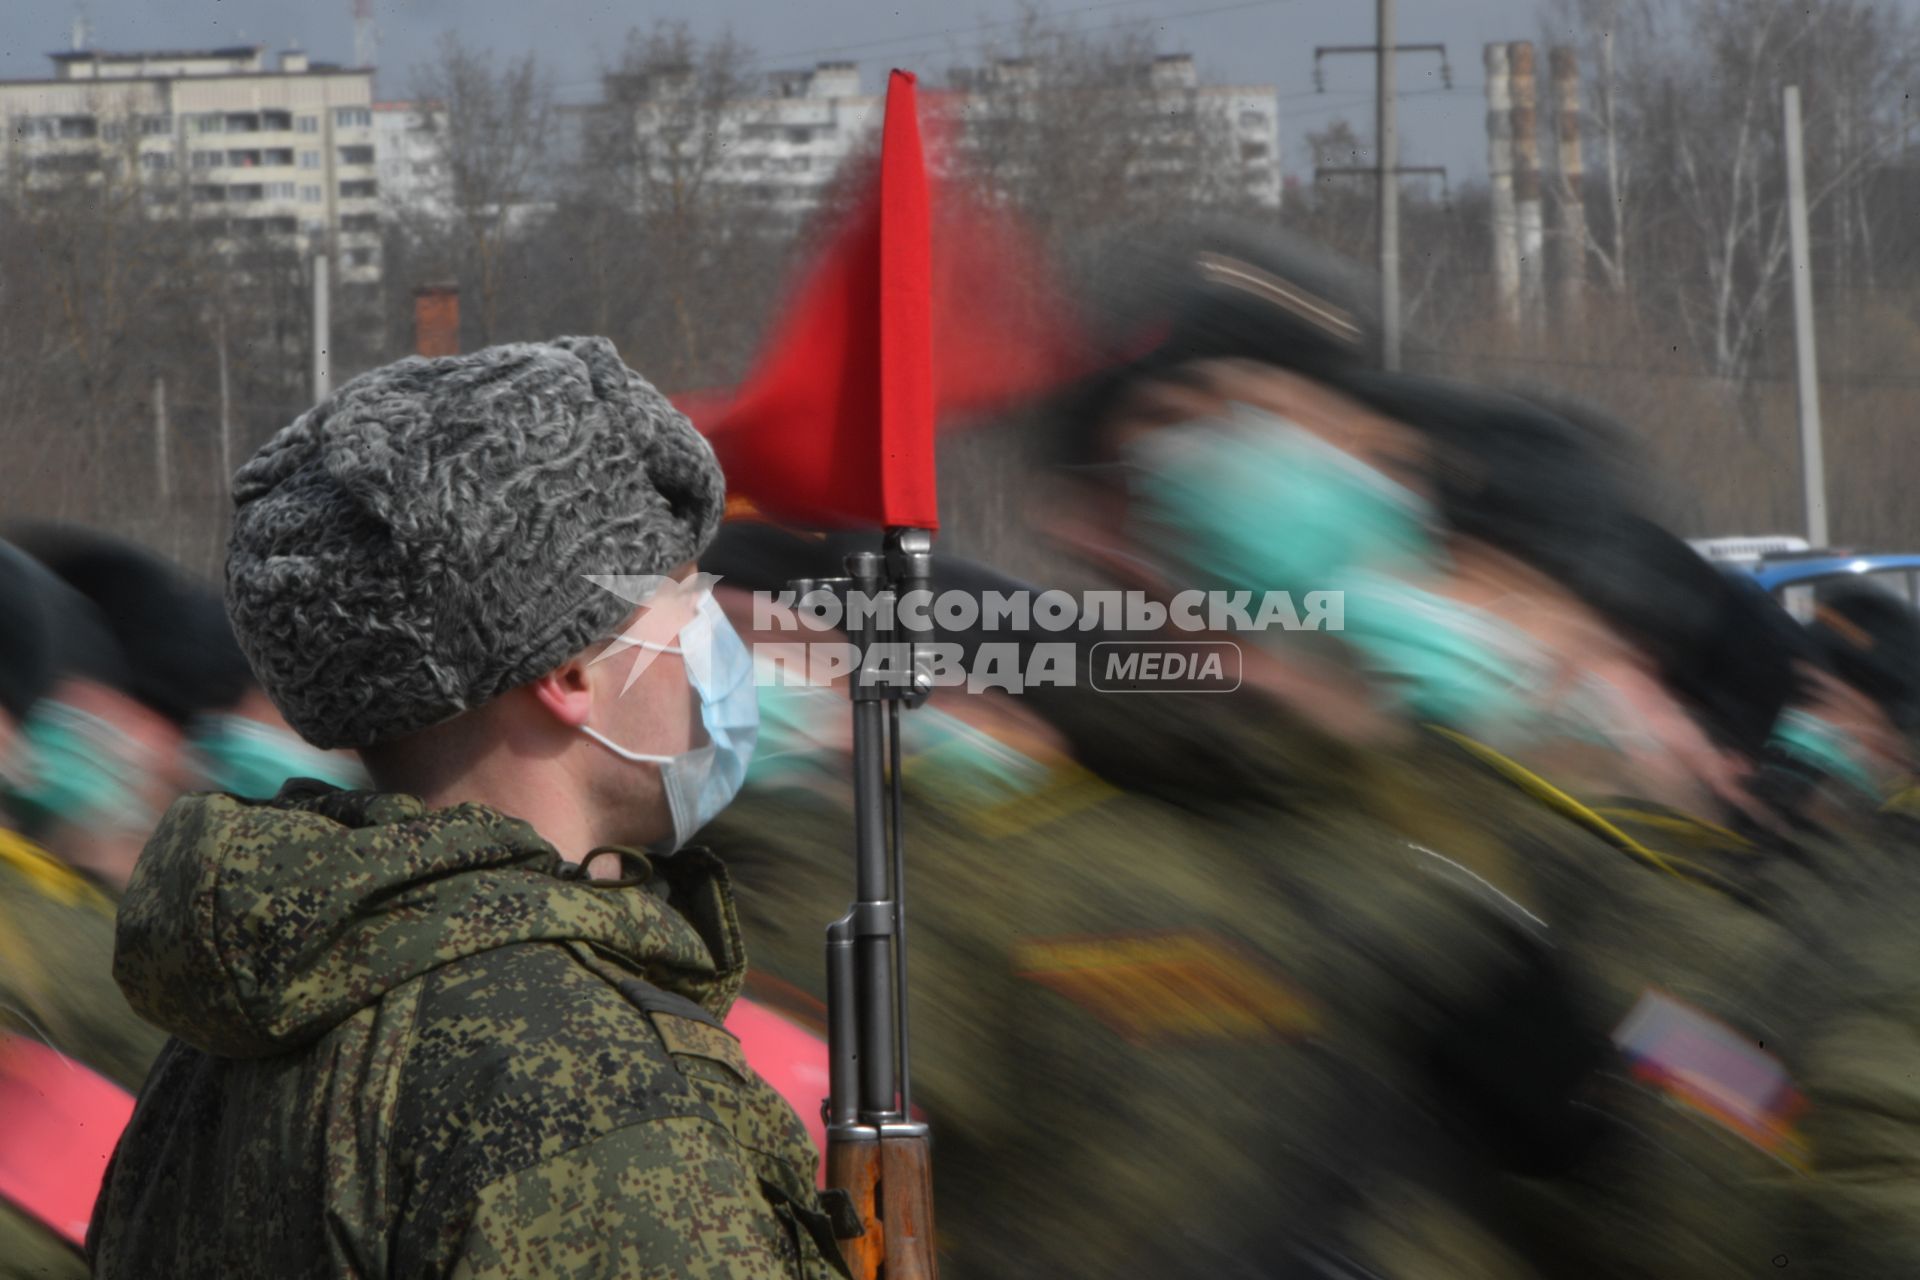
column 923, row 305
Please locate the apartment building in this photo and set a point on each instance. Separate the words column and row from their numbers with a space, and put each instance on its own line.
column 781, row 148
column 785, row 147
column 412, row 170
column 1214, row 142
column 286, row 151
column 788, row 145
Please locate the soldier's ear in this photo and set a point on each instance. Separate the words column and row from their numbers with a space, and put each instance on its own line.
column 565, row 693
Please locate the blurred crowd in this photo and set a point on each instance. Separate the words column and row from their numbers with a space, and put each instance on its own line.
column 1552, row 917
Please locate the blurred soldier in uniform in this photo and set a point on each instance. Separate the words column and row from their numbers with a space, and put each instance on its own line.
column 1837, row 755
column 1495, row 650
column 1670, row 678
column 246, row 749
column 468, row 1024
column 1224, row 988
column 111, row 754
column 62, row 1019
column 1845, row 745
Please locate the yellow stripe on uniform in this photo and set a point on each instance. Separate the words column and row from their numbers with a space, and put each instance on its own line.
column 1559, row 801
column 49, row 875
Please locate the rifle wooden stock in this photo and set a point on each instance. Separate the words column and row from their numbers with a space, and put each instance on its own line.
column 891, row 1182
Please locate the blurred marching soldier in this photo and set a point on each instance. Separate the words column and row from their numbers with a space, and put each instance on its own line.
column 70, row 1047
column 1836, row 774
column 1127, row 968
column 1712, row 1004
column 470, row 1023
column 183, row 709
column 1672, row 678
column 1845, row 745
column 1262, row 1000
column 111, row 754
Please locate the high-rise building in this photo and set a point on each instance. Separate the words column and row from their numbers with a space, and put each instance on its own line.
column 784, row 148
column 413, row 170
column 286, row 151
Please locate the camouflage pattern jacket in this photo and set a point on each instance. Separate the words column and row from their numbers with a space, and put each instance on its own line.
column 409, row 1043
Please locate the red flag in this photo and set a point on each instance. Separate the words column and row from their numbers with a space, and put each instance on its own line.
column 926, row 304
column 835, row 425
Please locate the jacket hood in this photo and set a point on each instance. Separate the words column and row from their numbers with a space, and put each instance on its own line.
column 251, row 929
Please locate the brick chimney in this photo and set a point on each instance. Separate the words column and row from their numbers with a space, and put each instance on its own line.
column 436, row 320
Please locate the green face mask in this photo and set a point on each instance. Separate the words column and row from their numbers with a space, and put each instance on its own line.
column 251, row 760
column 965, row 768
column 74, row 767
column 1256, row 501
column 1444, row 661
column 968, row 770
column 1826, row 749
column 797, row 732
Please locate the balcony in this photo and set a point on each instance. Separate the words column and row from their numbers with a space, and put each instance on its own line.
column 275, row 226
column 70, row 162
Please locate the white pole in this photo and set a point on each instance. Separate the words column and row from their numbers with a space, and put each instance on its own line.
column 1506, row 223
column 226, row 416
column 160, row 468
column 322, row 331
column 1389, row 147
column 1806, row 366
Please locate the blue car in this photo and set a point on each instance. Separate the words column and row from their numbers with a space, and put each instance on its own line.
column 1796, row 578
column 1897, row 573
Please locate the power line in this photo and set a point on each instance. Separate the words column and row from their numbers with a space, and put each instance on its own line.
column 1360, row 99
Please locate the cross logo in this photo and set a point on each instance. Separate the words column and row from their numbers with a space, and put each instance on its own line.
column 665, row 608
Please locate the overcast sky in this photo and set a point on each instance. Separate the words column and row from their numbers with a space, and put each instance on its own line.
column 1243, row 41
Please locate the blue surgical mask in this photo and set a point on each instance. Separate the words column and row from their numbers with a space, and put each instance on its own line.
column 1825, row 748
column 246, row 758
column 703, row 781
column 74, row 767
column 1254, row 501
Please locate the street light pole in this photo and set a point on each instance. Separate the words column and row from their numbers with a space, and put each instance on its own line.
column 1389, row 194
column 1806, row 367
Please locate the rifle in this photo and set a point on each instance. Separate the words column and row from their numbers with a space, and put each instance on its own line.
column 877, row 1153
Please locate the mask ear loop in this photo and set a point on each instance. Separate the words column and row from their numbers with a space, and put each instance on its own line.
column 637, row 757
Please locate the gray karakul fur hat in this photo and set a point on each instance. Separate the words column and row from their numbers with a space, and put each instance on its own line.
column 418, row 543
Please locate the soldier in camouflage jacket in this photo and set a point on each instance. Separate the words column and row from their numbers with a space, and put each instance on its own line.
column 412, row 1036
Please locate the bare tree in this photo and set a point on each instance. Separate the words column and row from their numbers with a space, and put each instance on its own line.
column 118, row 287
column 1084, row 129
column 671, row 177
column 493, row 131
column 1689, row 106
